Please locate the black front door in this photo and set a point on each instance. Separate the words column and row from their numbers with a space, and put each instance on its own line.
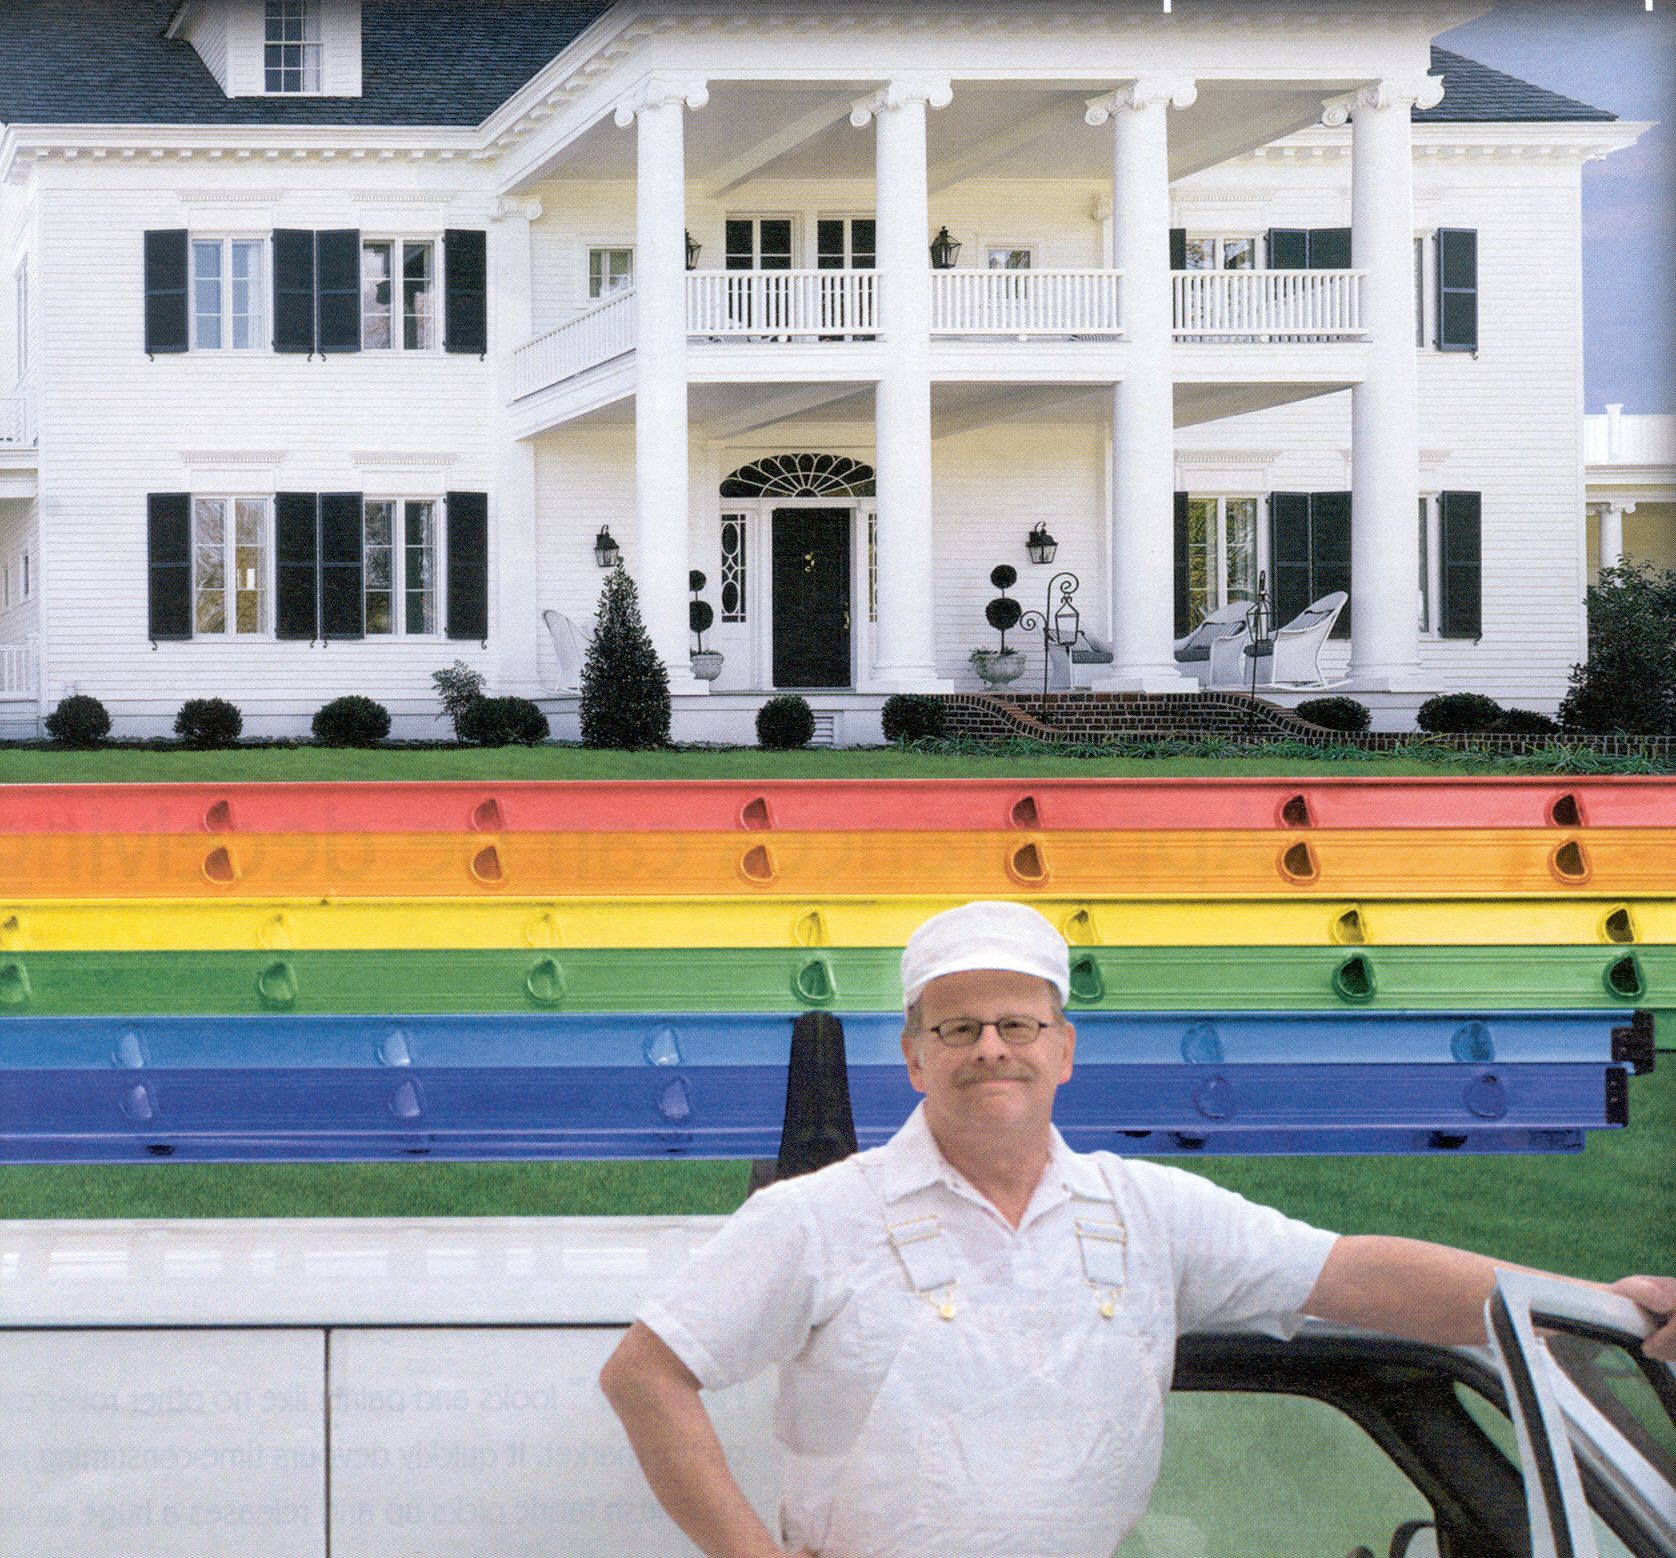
column 811, row 597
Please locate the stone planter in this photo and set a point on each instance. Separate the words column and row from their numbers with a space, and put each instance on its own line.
column 706, row 663
column 999, row 666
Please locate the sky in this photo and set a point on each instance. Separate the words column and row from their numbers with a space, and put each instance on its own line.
column 1616, row 55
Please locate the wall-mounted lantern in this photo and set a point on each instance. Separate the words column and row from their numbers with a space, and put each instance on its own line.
column 944, row 250
column 606, row 551
column 1040, row 545
column 692, row 252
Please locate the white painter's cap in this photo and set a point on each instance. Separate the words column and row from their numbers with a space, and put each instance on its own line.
column 988, row 934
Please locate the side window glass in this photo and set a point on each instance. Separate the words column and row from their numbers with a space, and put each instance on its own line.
column 1618, row 1386
column 1271, row 1476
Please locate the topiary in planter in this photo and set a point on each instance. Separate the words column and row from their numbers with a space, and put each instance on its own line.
column 1457, row 713
column 79, row 721
column 1525, row 722
column 503, row 722
column 208, row 722
column 351, row 721
column 625, row 688
column 1335, row 713
column 913, row 716
column 785, row 723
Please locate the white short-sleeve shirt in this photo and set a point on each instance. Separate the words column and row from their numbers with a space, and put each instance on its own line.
column 787, row 1279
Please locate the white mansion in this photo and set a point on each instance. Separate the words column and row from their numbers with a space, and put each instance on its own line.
column 346, row 334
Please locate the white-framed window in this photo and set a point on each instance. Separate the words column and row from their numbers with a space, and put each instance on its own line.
column 403, row 597
column 25, row 575
column 1428, row 559
column 5, row 585
column 1422, row 311
column 1219, row 251
column 610, row 270
column 227, row 306
column 291, row 45
column 404, row 317
column 1008, row 256
column 22, row 292
column 846, row 243
column 1223, row 543
column 758, row 242
column 735, row 579
column 231, row 556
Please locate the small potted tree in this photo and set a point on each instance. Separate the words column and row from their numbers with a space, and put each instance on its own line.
column 706, row 663
column 999, row 666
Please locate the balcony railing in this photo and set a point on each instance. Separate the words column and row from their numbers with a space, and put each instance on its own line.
column 17, row 670
column 1024, row 302
column 594, row 336
column 816, row 304
column 1267, row 305
column 17, row 430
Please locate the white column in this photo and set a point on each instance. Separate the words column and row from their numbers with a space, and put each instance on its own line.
column 905, row 645
column 1612, row 533
column 1385, row 406
column 661, row 478
column 518, row 628
column 1142, row 521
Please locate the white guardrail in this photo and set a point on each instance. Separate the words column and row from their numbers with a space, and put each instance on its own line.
column 594, row 336
column 1268, row 305
column 1025, row 302
column 17, row 670
column 778, row 303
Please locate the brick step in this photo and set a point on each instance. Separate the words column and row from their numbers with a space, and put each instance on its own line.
column 1129, row 716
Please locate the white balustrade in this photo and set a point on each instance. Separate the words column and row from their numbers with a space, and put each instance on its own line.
column 594, row 336
column 778, row 303
column 17, row 670
column 1268, row 305
column 1025, row 302
column 15, row 428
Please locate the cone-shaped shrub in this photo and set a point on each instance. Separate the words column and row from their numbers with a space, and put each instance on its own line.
column 625, row 687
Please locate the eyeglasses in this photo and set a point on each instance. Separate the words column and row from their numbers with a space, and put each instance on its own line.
column 962, row 1032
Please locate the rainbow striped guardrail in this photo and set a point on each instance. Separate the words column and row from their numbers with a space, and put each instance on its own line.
column 583, row 969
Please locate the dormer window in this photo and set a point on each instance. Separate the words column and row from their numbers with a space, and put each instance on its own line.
column 291, row 45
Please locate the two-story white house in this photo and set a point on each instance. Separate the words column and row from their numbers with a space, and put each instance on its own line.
column 348, row 337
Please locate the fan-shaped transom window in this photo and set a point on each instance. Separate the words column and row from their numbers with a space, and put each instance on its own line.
column 801, row 476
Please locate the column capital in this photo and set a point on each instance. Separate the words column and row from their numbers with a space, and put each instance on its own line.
column 508, row 207
column 1143, row 92
column 659, row 90
column 1409, row 92
column 933, row 91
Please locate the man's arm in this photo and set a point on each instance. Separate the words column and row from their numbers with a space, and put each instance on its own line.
column 1434, row 1293
column 657, row 1397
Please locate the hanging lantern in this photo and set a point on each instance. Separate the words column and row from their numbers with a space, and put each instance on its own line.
column 944, row 250
column 606, row 551
column 1067, row 623
column 1040, row 545
column 692, row 252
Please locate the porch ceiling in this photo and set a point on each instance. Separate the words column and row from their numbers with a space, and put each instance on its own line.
column 1027, row 129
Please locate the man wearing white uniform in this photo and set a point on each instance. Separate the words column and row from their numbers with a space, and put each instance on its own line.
column 975, row 1326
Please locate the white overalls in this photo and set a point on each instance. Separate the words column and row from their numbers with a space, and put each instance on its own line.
column 1016, row 1419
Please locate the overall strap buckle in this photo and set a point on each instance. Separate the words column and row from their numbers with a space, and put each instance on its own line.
column 929, row 1257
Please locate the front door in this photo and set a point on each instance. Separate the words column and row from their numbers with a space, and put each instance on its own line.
column 811, row 597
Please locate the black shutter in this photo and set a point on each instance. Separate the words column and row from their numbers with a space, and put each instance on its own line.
column 296, row 565
column 168, row 541
column 468, row 565
column 165, row 290
column 1183, row 626
column 1288, row 248
column 1457, row 289
column 1288, row 557
column 293, row 290
column 1329, row 546
column 1329, row 248
column 465, row 262
column 1461, row 556
column 342, row 548
column 1178, row 248
column 337, row 273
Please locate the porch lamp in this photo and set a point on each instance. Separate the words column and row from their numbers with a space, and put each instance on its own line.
column 692, row 252
column 944, row 250
column 1040, row 545
column 606, row 551
column 1067, row 622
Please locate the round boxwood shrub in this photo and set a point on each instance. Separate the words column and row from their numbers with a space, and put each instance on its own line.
column 1335, row 713
column 785, row 723
column 79, row 721
column 208, row 722
column 913, row 716
column 503, row 722
column 351, row 721
column 1525, row 722
column 1453, row 713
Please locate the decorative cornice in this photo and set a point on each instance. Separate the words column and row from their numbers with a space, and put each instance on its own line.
column 1143, row 92
column 231, row 456
column 230, row 197
column 1226, row 456
column 511, row 206
column 379, row 459
column 933, row 91
column 1409, row 92
column 661, row 89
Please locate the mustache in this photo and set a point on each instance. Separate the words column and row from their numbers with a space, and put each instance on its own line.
column 969, row 1074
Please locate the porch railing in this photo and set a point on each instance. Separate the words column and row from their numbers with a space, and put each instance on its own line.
column 1025, row 302
column 17, row 429
column 812, row 303
column 594, row 336
column 17, row 670
column 1268, row 305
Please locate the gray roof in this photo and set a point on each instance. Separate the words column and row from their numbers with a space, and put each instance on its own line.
column 425, row 62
